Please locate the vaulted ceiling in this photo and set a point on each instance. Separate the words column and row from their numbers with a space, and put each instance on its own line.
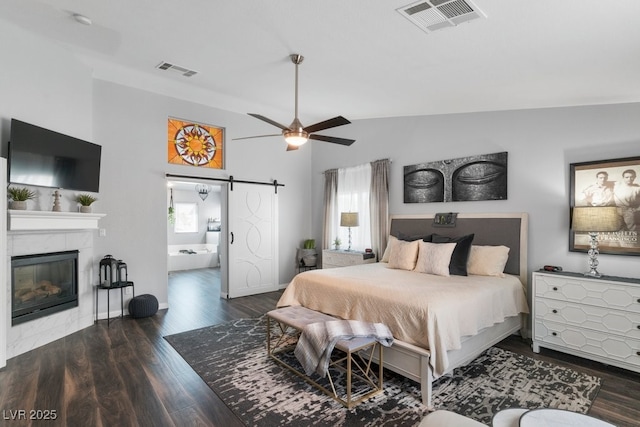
column 363, row 58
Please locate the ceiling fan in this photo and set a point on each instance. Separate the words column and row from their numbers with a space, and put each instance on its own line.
column 295, row 134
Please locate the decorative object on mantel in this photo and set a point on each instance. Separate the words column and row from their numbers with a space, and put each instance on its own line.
column 85, row 201
column 56, row 201
column 472, row 178
column 19, row 197
column 594, row 219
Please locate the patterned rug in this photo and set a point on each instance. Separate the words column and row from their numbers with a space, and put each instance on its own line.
column 231, row 358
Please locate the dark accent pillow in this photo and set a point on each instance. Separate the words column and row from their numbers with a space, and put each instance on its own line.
column 408, row 238
column 460, row 256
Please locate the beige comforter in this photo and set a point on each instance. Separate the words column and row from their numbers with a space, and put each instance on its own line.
column 429, row 311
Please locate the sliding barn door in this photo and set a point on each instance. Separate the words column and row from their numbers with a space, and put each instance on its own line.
column 253, row 239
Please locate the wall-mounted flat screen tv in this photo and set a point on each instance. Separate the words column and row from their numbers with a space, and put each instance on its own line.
column 45, row 158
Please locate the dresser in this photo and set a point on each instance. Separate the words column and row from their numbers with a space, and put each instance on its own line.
column 598, row 319
column 334, row 258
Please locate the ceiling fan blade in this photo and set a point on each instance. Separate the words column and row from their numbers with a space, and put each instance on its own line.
column 331, row 123
column 257, row 136
column 333, row 139
column 271, row 122
column 292, row 147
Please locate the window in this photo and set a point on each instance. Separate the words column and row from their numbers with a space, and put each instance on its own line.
column 186, row 218
column 354, row 186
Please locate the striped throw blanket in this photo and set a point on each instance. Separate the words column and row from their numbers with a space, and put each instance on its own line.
column 318, row 340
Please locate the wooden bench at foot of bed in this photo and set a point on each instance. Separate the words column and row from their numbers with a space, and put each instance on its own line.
column 356, row 362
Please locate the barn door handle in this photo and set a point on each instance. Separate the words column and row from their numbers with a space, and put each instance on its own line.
column 232, row 237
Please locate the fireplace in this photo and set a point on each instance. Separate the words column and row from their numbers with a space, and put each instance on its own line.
column 43, row 284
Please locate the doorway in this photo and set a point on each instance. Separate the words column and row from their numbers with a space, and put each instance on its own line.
column 195, row 248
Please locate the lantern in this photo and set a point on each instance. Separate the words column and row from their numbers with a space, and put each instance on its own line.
column 122, row 272
column 109, row 271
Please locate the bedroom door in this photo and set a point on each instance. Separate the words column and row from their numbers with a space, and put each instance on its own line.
column 252, row 236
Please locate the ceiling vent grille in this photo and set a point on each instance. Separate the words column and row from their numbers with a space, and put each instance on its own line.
column 433, row 15
column 176, row 68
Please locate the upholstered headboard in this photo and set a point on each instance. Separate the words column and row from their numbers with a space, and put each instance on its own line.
column 508, row 229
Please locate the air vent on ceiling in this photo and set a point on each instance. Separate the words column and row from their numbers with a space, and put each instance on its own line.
column 178, row 69
column 432, row 15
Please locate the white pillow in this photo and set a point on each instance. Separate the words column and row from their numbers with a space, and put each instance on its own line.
column 403, row 255
column 487, row 260
column 387, row 251
column 434, row 258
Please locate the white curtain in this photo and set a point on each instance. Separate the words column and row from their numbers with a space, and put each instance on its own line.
column 354, row 186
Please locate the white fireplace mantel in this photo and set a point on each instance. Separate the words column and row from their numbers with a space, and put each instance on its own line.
column 18, row 220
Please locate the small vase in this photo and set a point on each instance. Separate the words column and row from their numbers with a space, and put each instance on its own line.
column 85, row 209
column 18, row 205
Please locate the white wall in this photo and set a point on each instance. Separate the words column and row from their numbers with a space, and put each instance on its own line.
column 541, row 145
column 133, row 184
column 41, row 83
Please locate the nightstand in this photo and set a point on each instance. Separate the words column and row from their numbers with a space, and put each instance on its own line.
column 337, row 258
column 594, row 318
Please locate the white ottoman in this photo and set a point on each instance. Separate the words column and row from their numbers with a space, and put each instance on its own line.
column 443, row 418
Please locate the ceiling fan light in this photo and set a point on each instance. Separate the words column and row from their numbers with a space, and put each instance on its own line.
column 296, row 138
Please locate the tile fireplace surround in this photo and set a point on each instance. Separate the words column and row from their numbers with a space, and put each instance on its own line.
column 35, row 333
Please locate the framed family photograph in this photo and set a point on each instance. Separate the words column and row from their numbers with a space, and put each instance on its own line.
column 608, row 183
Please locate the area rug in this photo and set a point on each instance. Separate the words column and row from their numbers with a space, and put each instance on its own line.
column 231, row 358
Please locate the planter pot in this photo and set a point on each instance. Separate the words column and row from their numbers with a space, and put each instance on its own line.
column 307, row 257
column 19, row 205
column 85, row 209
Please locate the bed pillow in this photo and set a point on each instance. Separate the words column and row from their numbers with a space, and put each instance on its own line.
column 390, row 242
column 408, row 238
column 403, row 255
column 487, row 260
column 434, row 258
column 460, row 257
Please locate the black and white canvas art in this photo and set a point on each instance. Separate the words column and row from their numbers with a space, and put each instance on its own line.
column 482, row 177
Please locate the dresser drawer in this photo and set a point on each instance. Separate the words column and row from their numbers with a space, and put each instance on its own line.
column 605, row 347
column 623, row 323
column 338, row 259
column 332, row 259
column 597, row 293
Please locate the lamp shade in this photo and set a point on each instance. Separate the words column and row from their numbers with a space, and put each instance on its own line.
column 349, row 219
column 595, row 219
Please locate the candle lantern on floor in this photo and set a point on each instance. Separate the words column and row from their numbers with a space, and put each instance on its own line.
column 109, row 271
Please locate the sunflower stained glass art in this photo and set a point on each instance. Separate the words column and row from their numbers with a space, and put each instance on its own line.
column 195, row 144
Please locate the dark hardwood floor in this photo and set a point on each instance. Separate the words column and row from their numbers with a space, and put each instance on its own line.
column 128, row 375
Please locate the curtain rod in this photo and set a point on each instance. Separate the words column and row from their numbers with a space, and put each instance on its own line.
column 230, row 180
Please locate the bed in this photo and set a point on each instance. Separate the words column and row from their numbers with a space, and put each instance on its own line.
column 439, row 321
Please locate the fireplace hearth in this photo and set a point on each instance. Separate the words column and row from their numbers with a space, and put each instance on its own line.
column 43, row 284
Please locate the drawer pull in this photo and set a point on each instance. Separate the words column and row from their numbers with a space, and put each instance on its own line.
column 638, row 300
column 638, row 353
column 554, row 311
column 555, row 288
column 555, row 334
column 638, row 326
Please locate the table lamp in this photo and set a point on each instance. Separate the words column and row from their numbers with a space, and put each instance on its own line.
column 595, row 219
column 349, row 219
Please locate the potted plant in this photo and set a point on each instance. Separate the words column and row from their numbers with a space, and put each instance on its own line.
column 308, row 256
column 85, row 201
column 337, row 242
column 19, row 197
